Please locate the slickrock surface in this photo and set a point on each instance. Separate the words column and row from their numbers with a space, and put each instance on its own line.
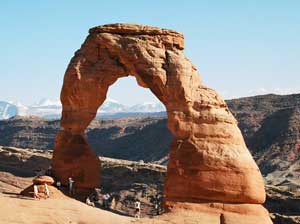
column 208, row 157
column 16, row 209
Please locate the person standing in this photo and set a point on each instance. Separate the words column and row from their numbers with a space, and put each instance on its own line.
column 89, row 202
column 46, row 191
column 104, row 200
column 71, row 186
column 107, row 200
column 137, row 206
column 157, row 208
column 58, row 185
column 157, row 204
column 35, row 192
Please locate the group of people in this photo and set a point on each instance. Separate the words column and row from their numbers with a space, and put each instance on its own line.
column 92, row 200
column 48, row 172
column 108, row 201
column 71, row 188
column 157, row 207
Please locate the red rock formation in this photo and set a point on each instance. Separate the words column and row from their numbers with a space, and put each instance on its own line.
column 53, row 191
column 43, row 180
column 40, row 181
column 209, row 160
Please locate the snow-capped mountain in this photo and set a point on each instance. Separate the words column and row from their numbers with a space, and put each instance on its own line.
column 147, row 107
column 51, row 109
column 22, row 109
column 47, row 103
column 7, row 110
column 46, row 108
column 111, row 106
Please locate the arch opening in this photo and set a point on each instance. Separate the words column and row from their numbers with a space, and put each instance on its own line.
column 130, row 130
column 141, row 137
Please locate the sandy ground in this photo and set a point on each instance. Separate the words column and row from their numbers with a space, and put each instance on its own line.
column 15, row 209
column 64, row 210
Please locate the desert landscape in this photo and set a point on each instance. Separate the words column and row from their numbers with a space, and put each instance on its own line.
column 134, row 155
column 105, row 117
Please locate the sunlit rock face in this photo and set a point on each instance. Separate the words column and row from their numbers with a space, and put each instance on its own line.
column 209, row 161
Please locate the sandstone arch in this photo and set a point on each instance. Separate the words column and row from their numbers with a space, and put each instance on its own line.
column 209, row 161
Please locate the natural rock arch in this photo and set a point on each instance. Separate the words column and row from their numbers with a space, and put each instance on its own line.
column 209, row 160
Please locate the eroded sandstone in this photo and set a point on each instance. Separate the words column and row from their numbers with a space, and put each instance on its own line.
column 209, row 160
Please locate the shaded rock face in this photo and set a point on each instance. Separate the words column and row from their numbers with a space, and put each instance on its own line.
column 28, row 132
column 146, row 139
column 208, row 157
column 128, row 181
column 271, row 127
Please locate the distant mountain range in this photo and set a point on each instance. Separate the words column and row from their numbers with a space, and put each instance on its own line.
column 51, row 109
column 7, row 110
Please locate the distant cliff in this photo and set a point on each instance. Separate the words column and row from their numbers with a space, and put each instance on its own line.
column 270, row 125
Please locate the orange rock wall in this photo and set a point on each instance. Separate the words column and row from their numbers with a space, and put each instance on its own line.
column 208, row 156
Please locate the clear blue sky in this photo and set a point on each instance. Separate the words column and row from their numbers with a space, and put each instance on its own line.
column 239, row 47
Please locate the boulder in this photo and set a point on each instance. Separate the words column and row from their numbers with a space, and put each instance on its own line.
column 54, row 192
column 40, row 180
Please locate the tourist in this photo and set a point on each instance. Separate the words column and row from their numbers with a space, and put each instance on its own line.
column 157, row 208
column 46, row 191
column 71, row 186
column 137, row 209
column 89, row 202
column 35, row 192
column 105, row 199
column 58, row 185
column 157, row 204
